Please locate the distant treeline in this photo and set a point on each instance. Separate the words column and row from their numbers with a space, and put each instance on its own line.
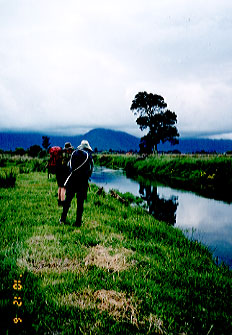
column 39, row 152
column 113, row 141
column 32, row 151
column 36, row 151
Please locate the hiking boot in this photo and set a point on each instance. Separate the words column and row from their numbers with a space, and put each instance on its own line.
column 62, row 221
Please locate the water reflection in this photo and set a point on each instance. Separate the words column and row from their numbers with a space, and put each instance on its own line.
column 207, row 220
column 161, row 209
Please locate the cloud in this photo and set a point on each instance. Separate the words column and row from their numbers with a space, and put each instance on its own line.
column 67, row 66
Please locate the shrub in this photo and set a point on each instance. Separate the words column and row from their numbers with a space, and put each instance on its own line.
column 20, row 151
column 7, row 178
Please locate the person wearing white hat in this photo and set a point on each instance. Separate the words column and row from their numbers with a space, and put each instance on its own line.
column 81, row 168
column 84, row 146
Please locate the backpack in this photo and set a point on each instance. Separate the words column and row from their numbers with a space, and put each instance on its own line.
column 80, row 164
column 55, row 153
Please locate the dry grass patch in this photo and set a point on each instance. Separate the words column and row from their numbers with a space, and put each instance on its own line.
column 54, row 265
column 115, row 304
column 83, row 300
column 121, row 307
column 41, row 240
column 103, row 258
column 38, row 256
column 57, row 265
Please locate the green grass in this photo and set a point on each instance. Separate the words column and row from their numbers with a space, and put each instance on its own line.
column 121, row 272
column 23, row 164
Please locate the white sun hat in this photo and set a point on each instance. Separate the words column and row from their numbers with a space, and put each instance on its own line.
column 84, row 146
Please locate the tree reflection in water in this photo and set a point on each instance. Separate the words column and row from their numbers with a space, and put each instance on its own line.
column 161, row 209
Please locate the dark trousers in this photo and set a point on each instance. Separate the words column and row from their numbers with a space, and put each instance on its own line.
column 81, row 196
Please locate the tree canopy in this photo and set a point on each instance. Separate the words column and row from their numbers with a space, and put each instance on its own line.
column 34, row 150
column 153, row 114
column 46, row 142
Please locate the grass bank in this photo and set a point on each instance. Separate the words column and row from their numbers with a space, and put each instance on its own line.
column 12, row 165
column 22, row 164
column 121, row 272
column 209, row 175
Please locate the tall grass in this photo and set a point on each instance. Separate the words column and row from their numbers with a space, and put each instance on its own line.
column 8, row 177
column 121, row 272
column 24, row 164
column 208, row 175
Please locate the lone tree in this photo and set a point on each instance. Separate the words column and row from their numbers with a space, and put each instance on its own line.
column 46, row 142
column 153, row 114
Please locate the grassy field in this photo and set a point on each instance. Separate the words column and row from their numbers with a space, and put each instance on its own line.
column 121, row 272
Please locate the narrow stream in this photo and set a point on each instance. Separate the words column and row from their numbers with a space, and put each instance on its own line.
column 206, row 220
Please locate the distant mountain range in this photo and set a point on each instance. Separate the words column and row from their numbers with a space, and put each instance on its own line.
column 106, row 139
column 99, row 138
column 193, row 145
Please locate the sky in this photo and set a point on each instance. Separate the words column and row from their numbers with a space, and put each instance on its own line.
column 69, row 66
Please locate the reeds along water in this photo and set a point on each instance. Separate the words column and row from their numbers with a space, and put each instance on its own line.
column 208, row 175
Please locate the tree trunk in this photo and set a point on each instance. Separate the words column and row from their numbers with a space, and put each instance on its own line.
column 155, row 150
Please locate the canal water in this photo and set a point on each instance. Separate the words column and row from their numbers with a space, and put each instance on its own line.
column 207, row 220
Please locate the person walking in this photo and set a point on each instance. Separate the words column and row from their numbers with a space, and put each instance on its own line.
column 62, row 171
column 77, row 182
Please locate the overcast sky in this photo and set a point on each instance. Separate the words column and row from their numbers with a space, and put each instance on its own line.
column 69, row 66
